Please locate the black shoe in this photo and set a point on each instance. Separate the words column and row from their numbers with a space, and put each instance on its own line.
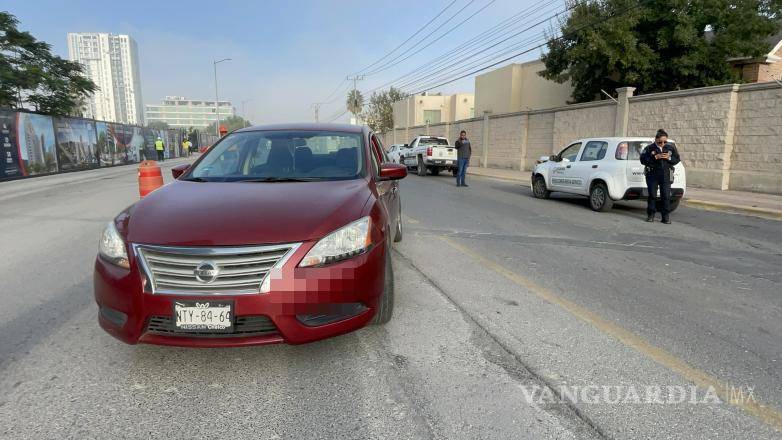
column 667, row 221
column 464, row 184
column 650, row 218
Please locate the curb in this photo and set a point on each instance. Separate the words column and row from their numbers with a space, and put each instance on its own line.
column 774, row 214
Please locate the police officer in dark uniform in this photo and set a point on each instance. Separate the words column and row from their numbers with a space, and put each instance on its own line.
column 659, row 159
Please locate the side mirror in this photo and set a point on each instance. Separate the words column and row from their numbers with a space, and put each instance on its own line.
column 544, row 159
column 179, row 170
column 407, row 146
column 392, row 171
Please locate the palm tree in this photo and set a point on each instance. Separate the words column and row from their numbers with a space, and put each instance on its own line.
column 355, row 102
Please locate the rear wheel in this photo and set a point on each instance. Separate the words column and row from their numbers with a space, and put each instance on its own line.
column 539, row 189
column 599, row 200
column 421, row 166
column 385, row 304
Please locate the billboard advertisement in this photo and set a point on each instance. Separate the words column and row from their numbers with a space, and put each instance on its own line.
column 37, row 147
column 9, row 147
column 77, row 143
column 107, row 148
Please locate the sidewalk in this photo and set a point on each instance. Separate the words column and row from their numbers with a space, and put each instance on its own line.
column 749, row 203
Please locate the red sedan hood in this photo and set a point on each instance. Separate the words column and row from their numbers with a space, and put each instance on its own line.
column 228, row 214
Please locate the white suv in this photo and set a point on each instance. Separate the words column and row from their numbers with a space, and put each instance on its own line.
column 604, row 169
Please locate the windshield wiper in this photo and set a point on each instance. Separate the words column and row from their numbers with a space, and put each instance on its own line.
column 281, row 179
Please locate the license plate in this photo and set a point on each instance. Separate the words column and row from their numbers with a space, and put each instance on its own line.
column 213, row 316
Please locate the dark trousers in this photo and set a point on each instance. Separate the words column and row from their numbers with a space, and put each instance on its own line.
column 160, row 156
column 462, row 170
column 653, row 181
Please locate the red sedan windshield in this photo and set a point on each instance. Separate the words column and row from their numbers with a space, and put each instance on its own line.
column 282, row 156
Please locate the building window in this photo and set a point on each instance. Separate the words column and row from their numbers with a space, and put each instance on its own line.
column 432, row 116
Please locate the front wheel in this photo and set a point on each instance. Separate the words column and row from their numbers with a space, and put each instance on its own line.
column 539, row 189
column 385, row 304
column 421, row 167
column 599, row 200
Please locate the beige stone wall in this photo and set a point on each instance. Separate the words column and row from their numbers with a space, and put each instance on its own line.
column 730, row 137
column 583, row 121
column 698, row 123
column 756, row 162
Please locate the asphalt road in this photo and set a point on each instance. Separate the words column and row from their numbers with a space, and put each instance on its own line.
column 515, row 318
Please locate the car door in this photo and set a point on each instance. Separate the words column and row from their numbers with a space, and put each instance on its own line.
column 580, row 172
column 387, row 190
column 559, row 180
column 410, row 158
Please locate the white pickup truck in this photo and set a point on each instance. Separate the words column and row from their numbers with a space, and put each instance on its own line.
column 431, row 153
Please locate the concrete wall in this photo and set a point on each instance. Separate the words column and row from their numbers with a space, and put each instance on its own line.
column 730, row 137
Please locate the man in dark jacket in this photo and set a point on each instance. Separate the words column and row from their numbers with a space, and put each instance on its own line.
column 659, row 159
column 463, row 152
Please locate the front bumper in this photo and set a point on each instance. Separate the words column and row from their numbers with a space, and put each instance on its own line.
column 441, row 162
column 292, row 312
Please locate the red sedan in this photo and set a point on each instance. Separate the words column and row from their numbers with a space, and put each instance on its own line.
column 277, row 234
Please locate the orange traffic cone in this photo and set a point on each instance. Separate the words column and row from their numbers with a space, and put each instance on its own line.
column 149, row 177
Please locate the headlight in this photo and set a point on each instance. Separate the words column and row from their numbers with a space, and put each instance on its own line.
column 112, row 247
column 343, row 243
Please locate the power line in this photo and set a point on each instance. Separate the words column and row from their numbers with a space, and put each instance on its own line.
column 429, row 74
column 598, row 22
column 408, row 38
column 481, row 37
column 392, row 62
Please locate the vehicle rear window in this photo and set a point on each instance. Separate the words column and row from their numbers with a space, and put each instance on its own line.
column 631, row 150
column 269, row 155
column 433, row 141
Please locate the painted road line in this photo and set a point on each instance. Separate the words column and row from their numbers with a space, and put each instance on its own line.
column 766, row 414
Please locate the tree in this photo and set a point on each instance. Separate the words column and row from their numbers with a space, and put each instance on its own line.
column 158, row 125
column 231, row 123
column 657, row 45
column 30, row 73
column 380, row 114
column 355, row 102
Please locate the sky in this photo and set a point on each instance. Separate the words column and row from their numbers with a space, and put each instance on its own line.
column 285, row 55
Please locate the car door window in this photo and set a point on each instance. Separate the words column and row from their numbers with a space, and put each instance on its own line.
column 377, row 155
column 594, row 150
column 571, row 152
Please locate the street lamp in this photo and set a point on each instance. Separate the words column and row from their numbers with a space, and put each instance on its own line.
column 217, row 97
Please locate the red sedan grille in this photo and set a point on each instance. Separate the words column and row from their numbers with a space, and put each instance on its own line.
column 243, row 326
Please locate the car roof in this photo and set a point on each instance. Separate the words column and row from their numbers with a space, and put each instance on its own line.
column 308, row 126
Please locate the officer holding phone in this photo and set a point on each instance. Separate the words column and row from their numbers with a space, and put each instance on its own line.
column 659, row 159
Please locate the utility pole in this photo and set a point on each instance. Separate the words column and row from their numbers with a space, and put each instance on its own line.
column 355, row 79
column 316, row 107
column 217, row 96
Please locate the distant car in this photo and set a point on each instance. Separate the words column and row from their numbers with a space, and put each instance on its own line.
column 397, row 151
column 288, row 240
column 431, row 153
column 603, row 169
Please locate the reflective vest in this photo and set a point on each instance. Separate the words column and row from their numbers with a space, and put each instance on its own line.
column 186, row 145
column 159, row 145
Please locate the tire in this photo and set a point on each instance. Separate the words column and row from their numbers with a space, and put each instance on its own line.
column 539, row 189
column 599, row 199
column 435, row 171
column 385, row 305
column 421, row 167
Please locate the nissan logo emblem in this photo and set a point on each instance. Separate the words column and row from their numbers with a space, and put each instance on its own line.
column 206, row 272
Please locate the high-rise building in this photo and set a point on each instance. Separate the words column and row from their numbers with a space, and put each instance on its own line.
column 111, row 62
column 180, row 112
